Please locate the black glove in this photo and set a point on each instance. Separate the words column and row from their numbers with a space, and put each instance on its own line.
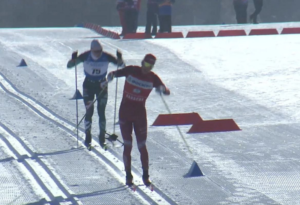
column 110, row 76
column 74, row 55
column 119, row 54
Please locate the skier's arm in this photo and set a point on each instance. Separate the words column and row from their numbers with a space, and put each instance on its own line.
column 117, row 61
column 77, row 60
column 119, row 73
column 160, row 87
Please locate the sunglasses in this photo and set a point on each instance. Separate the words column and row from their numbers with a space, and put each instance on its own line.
column 97, row 51
column 148, row 65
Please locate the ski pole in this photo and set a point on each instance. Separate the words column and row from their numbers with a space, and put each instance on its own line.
column 91, row 105
column 115, row 111
column 119, row 56
column 180, row 133
column 74, row 56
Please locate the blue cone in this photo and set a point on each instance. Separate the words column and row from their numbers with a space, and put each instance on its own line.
column 194, row 171
column 22, row 63
column 77, row 95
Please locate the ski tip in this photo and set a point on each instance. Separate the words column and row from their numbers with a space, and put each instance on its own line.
column 150, row 187
column 105, row 147
column 132, row 187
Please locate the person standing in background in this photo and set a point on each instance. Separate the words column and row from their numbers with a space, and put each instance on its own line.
column 258, row 4
column 138, row 8
column 152, row 12
column 240, row 7
column 121, row 4
column 165, row 15
column 131, row 15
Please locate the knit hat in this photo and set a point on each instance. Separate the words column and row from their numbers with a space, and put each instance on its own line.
column 96, row 45
column 149, row 58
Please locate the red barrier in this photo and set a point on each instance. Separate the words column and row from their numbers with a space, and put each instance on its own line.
column 232, row 33
column 115, row 35
column 195, row 34
column 265, row 31
column 137, row 36
column 177, row 119
column 291, row 31
column 169, row 35
column 214, row 126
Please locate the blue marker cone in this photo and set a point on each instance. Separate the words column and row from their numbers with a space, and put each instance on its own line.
column 22, row 63
column 194, row 171
column 77, row 95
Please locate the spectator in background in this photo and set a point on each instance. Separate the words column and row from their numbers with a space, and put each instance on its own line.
column 152, row 12
column 165, row 15
column 258, row 4
column 240, row 7
column 131, row 15
column 121, row 4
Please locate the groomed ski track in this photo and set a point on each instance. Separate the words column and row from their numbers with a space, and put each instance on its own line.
column 105, row 158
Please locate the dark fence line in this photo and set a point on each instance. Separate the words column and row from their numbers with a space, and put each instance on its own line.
column 66, row 13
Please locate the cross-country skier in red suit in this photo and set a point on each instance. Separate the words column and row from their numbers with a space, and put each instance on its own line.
column 132, row 114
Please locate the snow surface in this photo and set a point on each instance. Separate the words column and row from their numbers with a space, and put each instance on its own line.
column 253, row 80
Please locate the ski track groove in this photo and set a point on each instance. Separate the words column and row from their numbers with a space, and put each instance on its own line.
column 35, row 156
column 67, row 126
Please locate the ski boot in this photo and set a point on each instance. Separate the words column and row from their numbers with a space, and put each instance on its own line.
column 129, row 182
column 87, row 142
column 104, row 146
column 147, row 182
column 102, row 141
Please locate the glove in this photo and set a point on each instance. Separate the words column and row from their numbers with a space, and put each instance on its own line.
column 103, row 84
column 162, row 90
column 120, row 61
column 110, row 76
column 74, row 55
column 72, row 62
column 119, row 54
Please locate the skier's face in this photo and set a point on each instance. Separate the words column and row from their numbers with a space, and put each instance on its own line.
column 97, row 53
column 146, row 67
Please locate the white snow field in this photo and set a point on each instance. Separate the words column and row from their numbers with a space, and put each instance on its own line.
column 253, row 80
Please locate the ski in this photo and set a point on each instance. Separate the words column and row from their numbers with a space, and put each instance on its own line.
column 150, row 187
column 105, row 147
column 132, row 187
column 90, row 146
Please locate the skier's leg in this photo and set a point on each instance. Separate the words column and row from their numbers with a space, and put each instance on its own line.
column 140, row 129
column 101, row 105
column 88, row 97
column 126, row 131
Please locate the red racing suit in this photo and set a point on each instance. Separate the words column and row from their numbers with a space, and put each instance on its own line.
column 132, row 113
